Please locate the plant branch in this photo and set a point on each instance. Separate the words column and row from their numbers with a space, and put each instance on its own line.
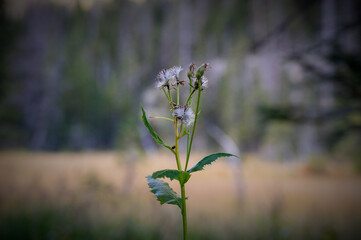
column 176, row 144
column 194, row 127
column 165, row 118
column 190, row 97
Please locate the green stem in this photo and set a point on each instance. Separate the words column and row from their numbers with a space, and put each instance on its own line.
column 177, row 94
column 189, row 97
column 176, row 135
column 180, row 131
column 184, row 208
column 165, row 93
column 191, row 91
column 169, row 97
column 176, row 144
column 194, row 127
column 184, row 211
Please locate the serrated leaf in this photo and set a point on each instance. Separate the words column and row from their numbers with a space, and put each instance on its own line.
column 163, row 192
column 208, row 160
column 169, row 173
column 181, row 176
column 152, row 132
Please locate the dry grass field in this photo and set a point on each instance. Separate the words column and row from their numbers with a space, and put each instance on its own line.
column 105, row 196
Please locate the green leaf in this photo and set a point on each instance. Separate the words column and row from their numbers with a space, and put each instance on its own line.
column 208, row 160
column 152, row 132
column 169, row 173
column 181, row 176
column 164, row 192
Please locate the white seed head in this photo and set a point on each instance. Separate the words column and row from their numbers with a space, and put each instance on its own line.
column 204, row 82
column 175, row 71
column 166, row 75
column 184, row 114
column 175, row 76
column 162, row 79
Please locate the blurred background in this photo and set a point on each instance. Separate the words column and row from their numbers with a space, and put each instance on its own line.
column 284, row 94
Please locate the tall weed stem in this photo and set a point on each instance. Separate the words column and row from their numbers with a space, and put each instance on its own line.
column 193, row 130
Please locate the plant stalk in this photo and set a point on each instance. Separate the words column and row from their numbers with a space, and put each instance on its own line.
column 191, row 91
column 184, row 211
column 176, row 144
column 190, row 96
column 177, row 94
column 194, row 127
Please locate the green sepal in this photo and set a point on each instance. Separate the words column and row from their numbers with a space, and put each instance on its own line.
column 208, row 160
column 163, row 192
column 152, row 132
column 181, row 176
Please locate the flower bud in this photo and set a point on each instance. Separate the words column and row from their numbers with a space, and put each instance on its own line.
column 201, row 70
column 191, row 69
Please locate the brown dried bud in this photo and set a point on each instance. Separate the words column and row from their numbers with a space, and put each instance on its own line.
column 191, row 69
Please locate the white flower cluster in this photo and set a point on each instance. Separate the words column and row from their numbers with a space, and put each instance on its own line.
column 166, row 77
column 184, row 114
column 169, row 79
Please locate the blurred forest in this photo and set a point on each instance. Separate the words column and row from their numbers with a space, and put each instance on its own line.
column 285, row 78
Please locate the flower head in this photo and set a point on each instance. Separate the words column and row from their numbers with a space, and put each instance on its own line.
column 175, row 71
column 184, row 114
column 190, row 72
column 162, row 80
column 166, row 75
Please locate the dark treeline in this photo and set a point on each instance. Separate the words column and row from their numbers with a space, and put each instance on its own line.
column 285, row 77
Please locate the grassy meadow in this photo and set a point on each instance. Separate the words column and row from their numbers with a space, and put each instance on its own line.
column 104, row 195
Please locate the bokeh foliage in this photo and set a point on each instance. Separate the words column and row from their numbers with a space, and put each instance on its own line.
column 73, row 75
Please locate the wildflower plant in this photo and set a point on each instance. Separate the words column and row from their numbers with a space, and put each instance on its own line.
column 185, row 122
